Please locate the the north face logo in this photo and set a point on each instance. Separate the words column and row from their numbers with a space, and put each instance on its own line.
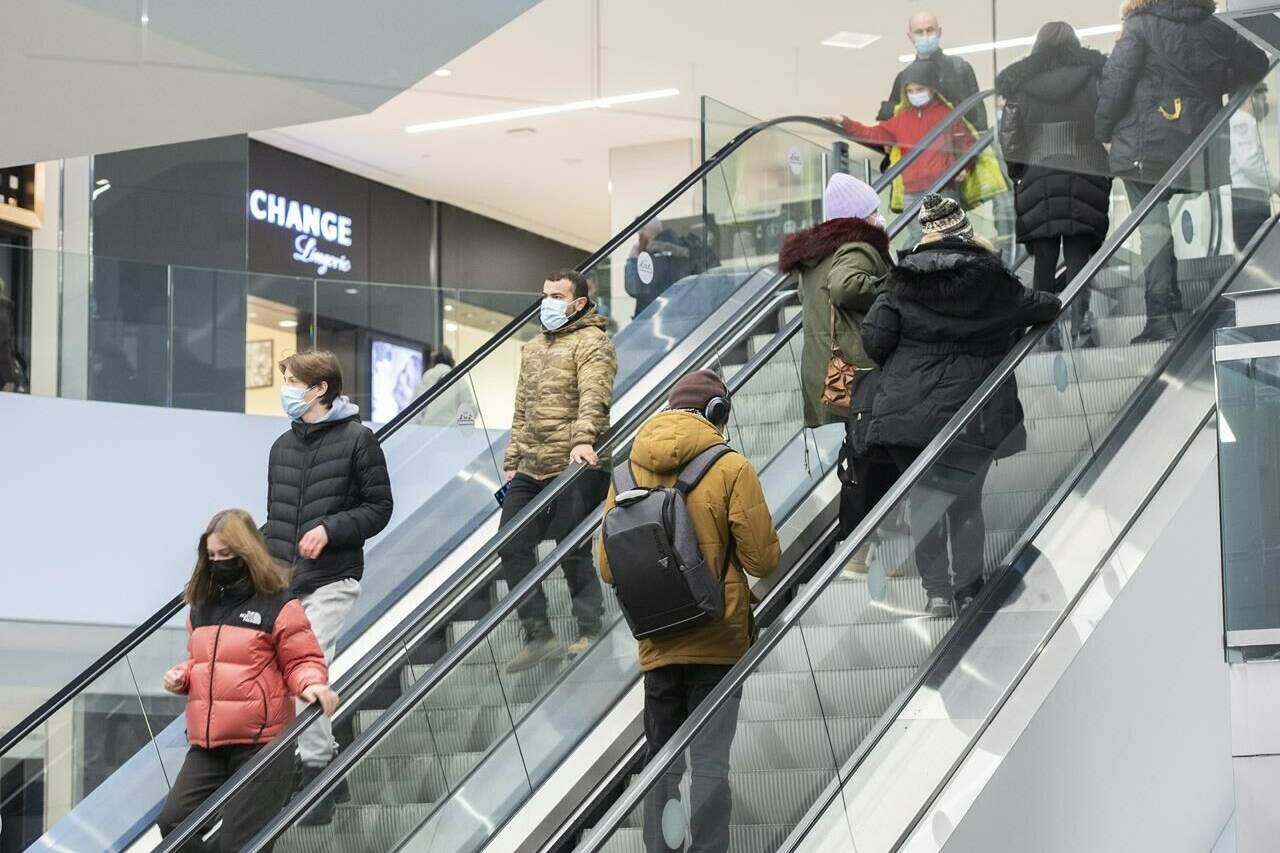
column 253, row 617
column 664, row 561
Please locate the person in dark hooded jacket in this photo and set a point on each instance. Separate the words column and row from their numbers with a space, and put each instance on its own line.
column 948, row 314
column 1062, row 188
column 1162, row 85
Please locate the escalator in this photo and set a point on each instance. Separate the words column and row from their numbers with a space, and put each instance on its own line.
column 447, row 757
column 437, row 560
column 852, row 714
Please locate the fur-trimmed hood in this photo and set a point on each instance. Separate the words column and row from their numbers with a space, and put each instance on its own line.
column 952, row 277
column 1022, row 72
column 810, row 246
column 1178, row 10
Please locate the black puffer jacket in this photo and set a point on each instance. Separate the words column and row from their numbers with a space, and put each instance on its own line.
column 948, row 313
column 1165, row 81
column 331, row 473
column 1060, row 173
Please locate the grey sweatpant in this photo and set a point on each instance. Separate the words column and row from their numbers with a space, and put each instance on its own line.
column 327, row 609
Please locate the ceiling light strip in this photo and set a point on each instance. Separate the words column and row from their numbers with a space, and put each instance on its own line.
column 551, row 109
column 1023, row 41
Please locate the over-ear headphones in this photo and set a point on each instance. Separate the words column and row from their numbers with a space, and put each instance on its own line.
column 717, row 411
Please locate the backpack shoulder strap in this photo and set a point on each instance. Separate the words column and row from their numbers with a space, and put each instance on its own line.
column 624, row 479
column 698, row 466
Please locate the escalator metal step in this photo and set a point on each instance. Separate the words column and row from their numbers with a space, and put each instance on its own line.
column 356, row 829
column 1087, row 365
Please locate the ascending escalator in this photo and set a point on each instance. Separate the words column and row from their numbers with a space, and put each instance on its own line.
column 853, row 712
column 446, row 524
column 467, row 742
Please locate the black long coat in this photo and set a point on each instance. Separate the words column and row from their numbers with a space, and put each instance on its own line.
column 1165, row 81
column 1061, row 182
column 948, row 313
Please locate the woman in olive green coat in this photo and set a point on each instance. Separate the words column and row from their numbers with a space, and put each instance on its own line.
column 840, row 265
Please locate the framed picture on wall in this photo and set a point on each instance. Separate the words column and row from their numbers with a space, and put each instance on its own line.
column 259, row 364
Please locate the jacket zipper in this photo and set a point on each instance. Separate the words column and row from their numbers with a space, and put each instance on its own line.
column 302, row 495
column 213, row 663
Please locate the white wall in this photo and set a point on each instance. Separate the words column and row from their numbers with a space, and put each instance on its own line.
column 1130, row 751
column 103, row 503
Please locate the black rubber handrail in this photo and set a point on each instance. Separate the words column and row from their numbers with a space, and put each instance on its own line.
column 905, row 482
column 134, row 638
column 387, row 720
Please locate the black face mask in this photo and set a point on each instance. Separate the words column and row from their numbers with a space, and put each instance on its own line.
column 226, row 572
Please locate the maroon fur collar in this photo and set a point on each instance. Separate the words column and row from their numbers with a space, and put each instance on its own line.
column 818, row 242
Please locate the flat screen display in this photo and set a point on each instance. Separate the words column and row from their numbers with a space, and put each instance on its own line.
column 396, row 372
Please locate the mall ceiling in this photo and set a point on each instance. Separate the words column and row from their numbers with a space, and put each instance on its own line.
column 550, row 173
column 89, row 76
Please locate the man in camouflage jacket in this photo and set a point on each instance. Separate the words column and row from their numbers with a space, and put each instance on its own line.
column 562, row 408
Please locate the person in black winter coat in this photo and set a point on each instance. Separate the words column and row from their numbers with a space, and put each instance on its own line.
column 948, row 313
column 328, row 491
column 1062, row 189
column 1161, row 87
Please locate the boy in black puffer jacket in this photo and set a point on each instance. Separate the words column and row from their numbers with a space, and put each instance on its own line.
column 948, row 314
column 328, row 492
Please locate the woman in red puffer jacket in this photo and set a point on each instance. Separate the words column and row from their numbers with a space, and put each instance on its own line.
column 250, row 649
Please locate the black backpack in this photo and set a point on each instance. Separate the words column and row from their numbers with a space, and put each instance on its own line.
column 664, row 584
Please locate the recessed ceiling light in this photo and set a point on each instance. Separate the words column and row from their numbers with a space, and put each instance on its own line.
column 253, row 315
column 448, row 307
column 551, row 109
column 352, row 290
column 146, row 19
column 856, row 41
column 1022, row 41
column 451, row 327
column 443, row 72
column 288, row 324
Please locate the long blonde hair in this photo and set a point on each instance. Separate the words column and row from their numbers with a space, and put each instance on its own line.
column 237, row 531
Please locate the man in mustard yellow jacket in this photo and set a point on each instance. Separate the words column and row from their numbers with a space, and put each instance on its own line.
column 727, row 507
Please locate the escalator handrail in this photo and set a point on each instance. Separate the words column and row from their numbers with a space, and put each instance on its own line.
column 478, row 632
column 1189, row 337
column 906, row 481
column 17, row 733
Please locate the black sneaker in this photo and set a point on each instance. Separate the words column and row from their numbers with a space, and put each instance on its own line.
column 967, row 593
column 320, row 814
column 1156, row 329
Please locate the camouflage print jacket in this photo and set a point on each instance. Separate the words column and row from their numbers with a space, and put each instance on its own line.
column 563, row 398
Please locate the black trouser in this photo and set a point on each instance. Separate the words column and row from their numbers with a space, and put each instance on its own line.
column 671, row 694
column 203, row 772
column 863, row 484
column 519, row 555
column 962, row 525
column 1248, row 213
column 1076, row 252
column 1159, row 263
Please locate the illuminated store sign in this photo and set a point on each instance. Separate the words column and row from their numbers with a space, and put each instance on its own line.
column 311, row 224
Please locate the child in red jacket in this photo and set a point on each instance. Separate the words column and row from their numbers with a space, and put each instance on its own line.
column 923, row 111
column 250, row 650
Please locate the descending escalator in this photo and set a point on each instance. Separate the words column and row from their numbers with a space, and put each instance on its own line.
column 855, row 707
column 466, row 742
column 447, row 521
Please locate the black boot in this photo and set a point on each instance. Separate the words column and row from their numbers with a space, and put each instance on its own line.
column 1156, row 329
column 320, row 814
column 1052, row 340
column 1082, row 335
column 967, row 593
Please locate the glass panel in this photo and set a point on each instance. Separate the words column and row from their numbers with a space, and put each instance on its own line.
column 1248, row 445
column 106, row 730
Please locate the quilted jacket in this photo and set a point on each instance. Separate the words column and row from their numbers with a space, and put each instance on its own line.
column 563, row 396
column 246, row 656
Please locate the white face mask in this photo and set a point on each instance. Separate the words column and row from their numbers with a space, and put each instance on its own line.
column 919, row 99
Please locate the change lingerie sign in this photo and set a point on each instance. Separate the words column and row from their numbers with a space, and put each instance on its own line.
column 311, row 225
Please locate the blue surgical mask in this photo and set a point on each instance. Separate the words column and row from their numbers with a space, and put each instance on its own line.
column 555, row 313
column 294, row 401
column 919, row 99
column 926, row 45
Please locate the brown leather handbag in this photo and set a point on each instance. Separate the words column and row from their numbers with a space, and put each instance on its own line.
column 837, row 387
